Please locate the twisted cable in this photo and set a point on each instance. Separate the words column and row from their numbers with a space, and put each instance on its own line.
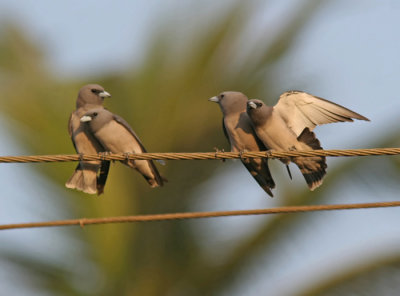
column 199, row 155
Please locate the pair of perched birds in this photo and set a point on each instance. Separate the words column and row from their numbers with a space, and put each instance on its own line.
column 249, row 125
column 94, row 129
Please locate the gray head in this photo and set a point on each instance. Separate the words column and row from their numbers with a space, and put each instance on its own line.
column 231, row 102
column 91, row 94
column 258, row 111
column 97, row 118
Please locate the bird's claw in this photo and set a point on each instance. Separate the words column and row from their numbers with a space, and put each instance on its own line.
column 127, row 154
column 268, row 153
column 104, row 154
column 217, row 151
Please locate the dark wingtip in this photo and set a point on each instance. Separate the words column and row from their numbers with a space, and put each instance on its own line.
column 100, row 190
column 102, row 177
column 262, row 176
column 160, row 181
column 268, row 191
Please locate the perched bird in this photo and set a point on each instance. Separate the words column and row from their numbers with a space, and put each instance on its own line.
column 238, row 129
column 86, row 178
column 289, row 124
column 116, row 136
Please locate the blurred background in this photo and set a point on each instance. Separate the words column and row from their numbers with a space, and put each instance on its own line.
column 161, row 61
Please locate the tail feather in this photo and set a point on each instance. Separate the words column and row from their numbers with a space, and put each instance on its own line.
column 312, row 168
column 84, row 178
column 313, row 179
column 309, row 138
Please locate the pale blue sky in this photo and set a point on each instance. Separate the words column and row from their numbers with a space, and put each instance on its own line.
column 348, row 53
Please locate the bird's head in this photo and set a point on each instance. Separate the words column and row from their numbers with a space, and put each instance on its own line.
column 254, row 104
column 230, row 102
column 91, row 94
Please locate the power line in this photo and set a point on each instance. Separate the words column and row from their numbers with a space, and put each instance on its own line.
column 199, row 155
column 196, row 215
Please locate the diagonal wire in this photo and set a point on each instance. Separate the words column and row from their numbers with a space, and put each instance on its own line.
column 196, row 215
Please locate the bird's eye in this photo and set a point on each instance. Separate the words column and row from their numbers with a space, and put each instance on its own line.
column 95, row 114
column 94, row 90
column 222, row 96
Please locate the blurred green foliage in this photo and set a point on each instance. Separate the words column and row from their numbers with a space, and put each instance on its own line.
column 165, row 101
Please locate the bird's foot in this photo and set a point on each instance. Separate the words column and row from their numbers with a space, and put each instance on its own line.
column 103, row 155
column 241, row 154
column 268, row 153
column 126, row 155
column 216, row 153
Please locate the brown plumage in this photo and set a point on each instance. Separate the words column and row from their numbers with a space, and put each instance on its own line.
column 289, row 124
column 241, row 136
column 116, row 136
column 85, row 178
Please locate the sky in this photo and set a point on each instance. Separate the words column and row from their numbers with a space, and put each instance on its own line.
column 348, row 53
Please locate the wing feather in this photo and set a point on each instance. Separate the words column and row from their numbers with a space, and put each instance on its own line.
column 300, row 110
column 125, row 124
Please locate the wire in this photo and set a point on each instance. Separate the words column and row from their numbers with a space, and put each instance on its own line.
column 199, row 155
column 196, row 215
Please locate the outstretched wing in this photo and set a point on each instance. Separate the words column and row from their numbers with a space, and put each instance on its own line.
column 300, row 110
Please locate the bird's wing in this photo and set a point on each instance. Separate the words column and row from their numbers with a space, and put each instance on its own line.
column 70, row 125
column 71, row 131
column 224, row 129
column 120, row 120
column 102, row 177
column 258, row 168
column 300, row 110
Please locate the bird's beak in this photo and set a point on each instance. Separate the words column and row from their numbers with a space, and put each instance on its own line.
column 104, row 94
column 214, row 99
column 85, row 118
column 252, row 105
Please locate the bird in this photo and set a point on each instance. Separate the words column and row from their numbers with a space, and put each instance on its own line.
column 89, row 176
column 116, row 136
column 290, row 123
column 240, row 133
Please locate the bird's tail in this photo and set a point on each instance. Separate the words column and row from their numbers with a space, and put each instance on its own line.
column 84, row 178
column 312, row 168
